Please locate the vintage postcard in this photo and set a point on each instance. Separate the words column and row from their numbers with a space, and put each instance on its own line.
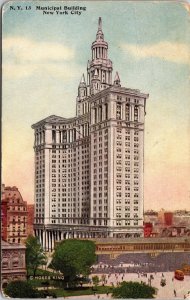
column 95, row 199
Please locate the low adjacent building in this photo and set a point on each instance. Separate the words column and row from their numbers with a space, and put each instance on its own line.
column 13, row 265
column 148, row 227
column 143, row 255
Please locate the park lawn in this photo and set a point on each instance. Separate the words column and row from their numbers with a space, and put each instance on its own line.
column 39, row 283
column 81, row 291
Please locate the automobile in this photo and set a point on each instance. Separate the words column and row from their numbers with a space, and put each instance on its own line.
column 179, row 275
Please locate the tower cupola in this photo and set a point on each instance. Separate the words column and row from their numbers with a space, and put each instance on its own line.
column 99, row 69
column 99, row 47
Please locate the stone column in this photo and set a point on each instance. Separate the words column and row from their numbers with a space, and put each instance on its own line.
column 53, row 240
column 112, row 109
column 123, row 111
column 92, row 116
column 44, row 239
column 132, row 112
column 50, row 236
column 141, row 114
column 39, row 236
column 103, row 112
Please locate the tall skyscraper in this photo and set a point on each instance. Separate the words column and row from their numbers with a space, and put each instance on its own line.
column 89, row 168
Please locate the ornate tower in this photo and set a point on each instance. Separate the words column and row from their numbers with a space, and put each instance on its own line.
column 99, row 72
column 99, row 69
column 89, row 169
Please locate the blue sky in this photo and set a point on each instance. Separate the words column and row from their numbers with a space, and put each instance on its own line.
column 44, row 57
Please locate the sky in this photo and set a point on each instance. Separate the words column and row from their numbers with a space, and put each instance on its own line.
column 44, row 57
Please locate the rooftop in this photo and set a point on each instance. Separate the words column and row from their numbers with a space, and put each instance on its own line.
column 173, row 240
column 6, row 245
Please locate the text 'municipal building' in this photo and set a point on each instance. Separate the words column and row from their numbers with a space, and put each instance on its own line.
column 89, row 168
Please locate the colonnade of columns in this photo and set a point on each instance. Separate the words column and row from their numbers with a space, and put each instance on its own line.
column 99, row 113
column 130, row 112
column 99, row 52
column 48, row 238
column 67, row 136
column 127, row 112
column 39, row 138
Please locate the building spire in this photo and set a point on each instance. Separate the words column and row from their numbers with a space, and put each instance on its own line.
column 99, row 35
column 82, row 82
column 99, row 69
column 82, row 79
column 117, row 80
column 95, row 73
column 100, row 24
column 82, row 89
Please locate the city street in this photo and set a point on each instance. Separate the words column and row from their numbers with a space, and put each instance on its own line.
column 166, row 292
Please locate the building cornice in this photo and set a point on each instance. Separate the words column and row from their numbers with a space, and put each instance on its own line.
column 53, row 119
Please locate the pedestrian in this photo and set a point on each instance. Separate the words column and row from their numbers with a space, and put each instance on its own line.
column 175, row 293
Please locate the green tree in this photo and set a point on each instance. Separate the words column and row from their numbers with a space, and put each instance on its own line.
column 96, row 281
column 74, row 258
column 21, row 289
column 35, row 255
column 133, row 290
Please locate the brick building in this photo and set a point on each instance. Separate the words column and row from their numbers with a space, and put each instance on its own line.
column 30, row 220
column 14, row 215
column 148, row 227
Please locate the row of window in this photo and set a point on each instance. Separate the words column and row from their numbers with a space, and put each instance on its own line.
column 120, row 223
column 127, row 201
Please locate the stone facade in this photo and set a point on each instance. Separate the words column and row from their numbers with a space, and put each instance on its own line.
column 89, row 169
column 12, row 262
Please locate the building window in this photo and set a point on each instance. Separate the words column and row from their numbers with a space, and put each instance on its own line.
column 136, row 113
column 127, row 112
column 118, row 111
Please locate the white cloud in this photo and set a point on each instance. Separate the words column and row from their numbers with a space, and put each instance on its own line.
column 174, row 52
column 19, row 71
column 24, row 57
column 11, row 71
column 23, row 49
